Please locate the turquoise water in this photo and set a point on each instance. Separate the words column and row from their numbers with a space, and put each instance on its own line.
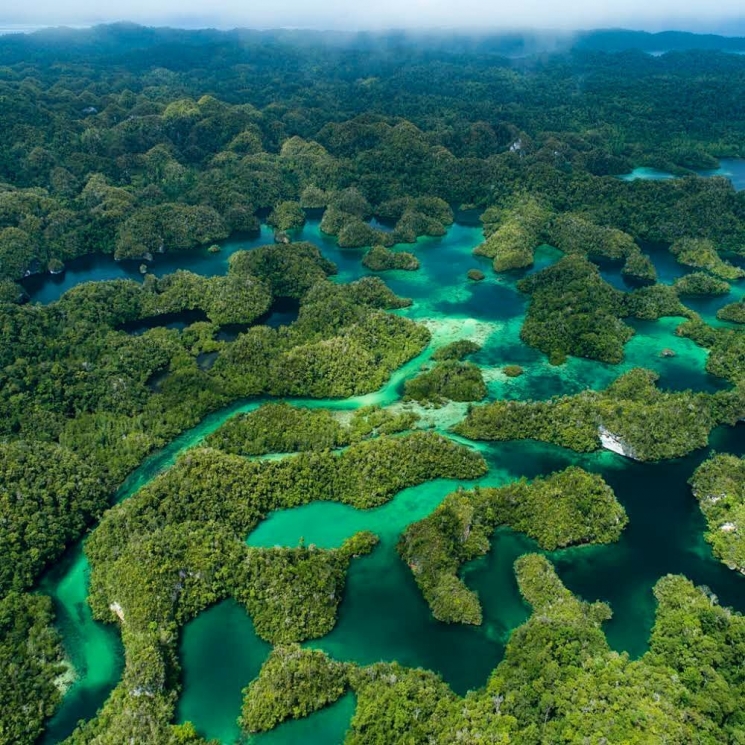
column 327, row 726
column 383, row 616
column 647, row 174
column 94, row 650
column 730, row 168
column 220, row 667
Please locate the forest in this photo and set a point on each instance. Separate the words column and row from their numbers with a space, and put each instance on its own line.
column 566, row 508
column 649, row 424
column 559, row 680
column 718, row 485
column 130, row 144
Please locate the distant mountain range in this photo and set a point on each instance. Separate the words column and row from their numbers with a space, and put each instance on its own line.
column 124, row 38
column 618, row 40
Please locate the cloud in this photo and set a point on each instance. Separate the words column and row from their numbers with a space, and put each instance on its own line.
column 352, row 14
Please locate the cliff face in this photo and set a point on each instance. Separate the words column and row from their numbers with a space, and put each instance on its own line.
column 613, row 442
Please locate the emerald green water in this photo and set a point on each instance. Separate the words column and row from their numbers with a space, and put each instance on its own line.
column 219, row 669
column 220, row 666
column 383, row 616
column 94, row 650
column 327, row 726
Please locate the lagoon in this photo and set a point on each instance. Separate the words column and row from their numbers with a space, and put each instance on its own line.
column 383, row 615
column 730, row 168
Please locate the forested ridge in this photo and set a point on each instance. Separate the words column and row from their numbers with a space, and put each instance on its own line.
column 133, row 142
column 571, row 507
column 648, row 423
column 139, row 153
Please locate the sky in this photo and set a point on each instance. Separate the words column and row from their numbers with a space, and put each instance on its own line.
column 720, row 16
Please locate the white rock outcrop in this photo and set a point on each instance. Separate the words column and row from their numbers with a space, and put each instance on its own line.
column 615, row 444
column 118, row 610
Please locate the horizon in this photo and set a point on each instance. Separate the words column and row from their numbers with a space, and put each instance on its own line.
column 726, row 18
column 736, row 28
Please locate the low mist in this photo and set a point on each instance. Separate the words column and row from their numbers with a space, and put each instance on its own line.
column 695, row 15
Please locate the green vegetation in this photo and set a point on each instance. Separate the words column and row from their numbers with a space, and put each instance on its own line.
column 289, row 271
column 513, row 234
column 364, row 475
column 639, row 268
column 294, row 594
column 574, row 234
column 47, row 497
column 706, row 662
column 655, row 301
column 726, row 348
column 566, row 508
column 699, row 283
column 560, row 682
column 30, row 665
column 61, row 361
column 287, row 216
column 174, row 572
column 456, row 350
column 345, row 217
column 646, row 423
column 476, row 275
column 589, row 689
column 451, row 379
column 293, row 683
column 733, row 312
column 398, row 704
column 371, row 421
column 238, row 298
column 573, row 310
column 281, row 428
column 381, row 259
column 177, row 546
column 357, row 234
column 719, row 486
column 135, row 142
column 513, row 371
column 414, row 217
column 340, row 346
column 155, row 164
column 162, row 228
column 702, row 254
column 80, row 411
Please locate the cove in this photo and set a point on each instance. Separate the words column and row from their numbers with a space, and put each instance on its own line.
column 46, row 288
column 383, row 616
column 327, row 726
column 93, row 649
column 219, row 668
column 237, row 657
column 732, row 169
